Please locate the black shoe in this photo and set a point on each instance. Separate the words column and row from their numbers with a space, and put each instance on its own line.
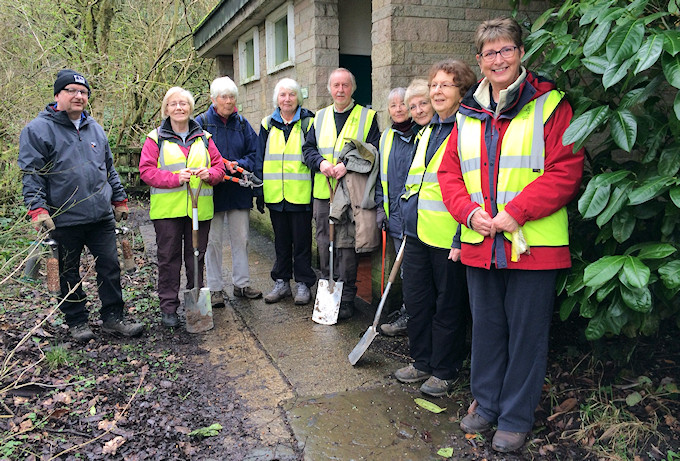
column 346, row 310
column 169, row 320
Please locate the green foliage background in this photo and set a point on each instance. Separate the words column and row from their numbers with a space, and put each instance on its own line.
column 619, row 64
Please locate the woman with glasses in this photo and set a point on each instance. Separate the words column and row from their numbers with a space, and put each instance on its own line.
column 417, row 100
column 178, row 156
column 434, row 288
column 507, row 177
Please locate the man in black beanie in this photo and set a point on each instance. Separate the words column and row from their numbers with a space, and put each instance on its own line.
column 73, row 191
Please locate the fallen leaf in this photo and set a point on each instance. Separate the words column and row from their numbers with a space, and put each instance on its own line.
column 470, row 436
column 445, row 452
column 58, row 413
column 26, row 425
column 209, row 431
column 429, row 406
column 113, row 445
column 106, row 425
column 567, row 405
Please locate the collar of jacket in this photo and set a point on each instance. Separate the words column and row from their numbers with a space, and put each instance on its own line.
column 507, row 96
column 277, row 115
column 165, row 131
column 62, row 117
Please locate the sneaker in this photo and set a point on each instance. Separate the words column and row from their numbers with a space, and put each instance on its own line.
column 81, row 332
column 437, row 387
column 346, row 310
column 505, row 441
column 397, row 327
column 247, row 292
column 122, row 327
column 473, row 423
column 302, row 294
column 169, row 320
column 281, row 290
column 411, row 374
column 217, row 299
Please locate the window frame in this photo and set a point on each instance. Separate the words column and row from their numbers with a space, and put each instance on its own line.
column 254, row 35
column 284, row 11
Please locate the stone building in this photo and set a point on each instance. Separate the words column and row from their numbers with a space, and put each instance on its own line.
column 385, row 43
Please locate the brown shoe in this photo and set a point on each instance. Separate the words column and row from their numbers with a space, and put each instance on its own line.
column 247, row 292
column 437, row 387
column 217, row 299
column 505, row 441
column 473, row 423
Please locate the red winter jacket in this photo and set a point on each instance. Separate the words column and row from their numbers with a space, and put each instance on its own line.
column 545, row 195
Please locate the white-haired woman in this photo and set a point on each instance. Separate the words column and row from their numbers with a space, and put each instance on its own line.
column 287, row 191
column 189, row 155
column 237, row 142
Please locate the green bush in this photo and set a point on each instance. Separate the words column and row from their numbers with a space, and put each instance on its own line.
column 619, row 64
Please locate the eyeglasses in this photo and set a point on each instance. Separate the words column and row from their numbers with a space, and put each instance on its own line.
column 422, row 105
column 178, row 103
column 75, row 91
column 505, row 52
column 443, row 86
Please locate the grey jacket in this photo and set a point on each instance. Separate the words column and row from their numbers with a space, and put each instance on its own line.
column 68, row 172
column 353, row 208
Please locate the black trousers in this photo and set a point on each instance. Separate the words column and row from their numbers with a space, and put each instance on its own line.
column 436, row 299
column 293, row 246
column 100, row 239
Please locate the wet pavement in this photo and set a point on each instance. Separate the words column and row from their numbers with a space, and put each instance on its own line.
column 302, row 392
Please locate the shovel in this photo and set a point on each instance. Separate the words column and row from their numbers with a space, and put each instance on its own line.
column 197, row 300
column 372, row 331
column 328, row 292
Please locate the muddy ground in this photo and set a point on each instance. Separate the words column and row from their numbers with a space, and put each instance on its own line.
column 157, row 396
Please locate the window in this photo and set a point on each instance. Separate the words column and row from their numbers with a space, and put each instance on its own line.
column 280, row 33
column 249, row 56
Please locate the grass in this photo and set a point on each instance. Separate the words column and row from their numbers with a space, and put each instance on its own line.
column 58, row 357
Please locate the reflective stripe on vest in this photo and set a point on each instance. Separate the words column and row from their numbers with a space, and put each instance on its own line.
column 386, row 140
column 284, row 173
column 329, row 143
column 521, row 161
column 436, row 227
column 175, row 202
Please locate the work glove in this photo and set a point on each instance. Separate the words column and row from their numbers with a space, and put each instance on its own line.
column 381, row 217
column 42, row 222
column 120, row 210
column 259, row 203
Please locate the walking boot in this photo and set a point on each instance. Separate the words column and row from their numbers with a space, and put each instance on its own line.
column 437, row 387
column 473, row 423
column 247, row 292
column 505, row 441
column 217, row 299
column 346, row 310
column 281, row 290
column 398, row 326
column 302, row 294
column 121, row 327
column 169, row 320
column 81, row 332
column 410, row 374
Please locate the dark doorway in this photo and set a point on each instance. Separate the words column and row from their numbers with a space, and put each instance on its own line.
column 360, row 66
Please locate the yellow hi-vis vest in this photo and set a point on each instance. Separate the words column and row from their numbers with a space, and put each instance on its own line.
column 285, row 176
column 521, row 161
column 175, row 202
column 436, row 227
column 386, row 140
column 330, row 144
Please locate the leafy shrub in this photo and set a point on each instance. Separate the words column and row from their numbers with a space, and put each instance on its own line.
column 619, row 64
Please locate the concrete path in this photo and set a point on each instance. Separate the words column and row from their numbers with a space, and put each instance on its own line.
column 301, row 391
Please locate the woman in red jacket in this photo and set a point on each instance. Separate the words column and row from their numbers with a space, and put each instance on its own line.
column 506, row 177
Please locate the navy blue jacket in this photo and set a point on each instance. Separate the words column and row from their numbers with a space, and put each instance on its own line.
column 236, row 140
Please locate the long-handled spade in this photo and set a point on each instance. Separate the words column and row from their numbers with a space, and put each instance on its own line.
column 197, row 300
column 372, row 331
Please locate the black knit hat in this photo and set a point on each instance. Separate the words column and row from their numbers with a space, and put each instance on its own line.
column 66, row 77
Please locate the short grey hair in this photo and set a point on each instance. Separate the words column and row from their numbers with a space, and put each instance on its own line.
column 173, row 91
column 397, row 92
column 287, row 84
column 418, row 87
column 223, row 86
column 338, row 70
